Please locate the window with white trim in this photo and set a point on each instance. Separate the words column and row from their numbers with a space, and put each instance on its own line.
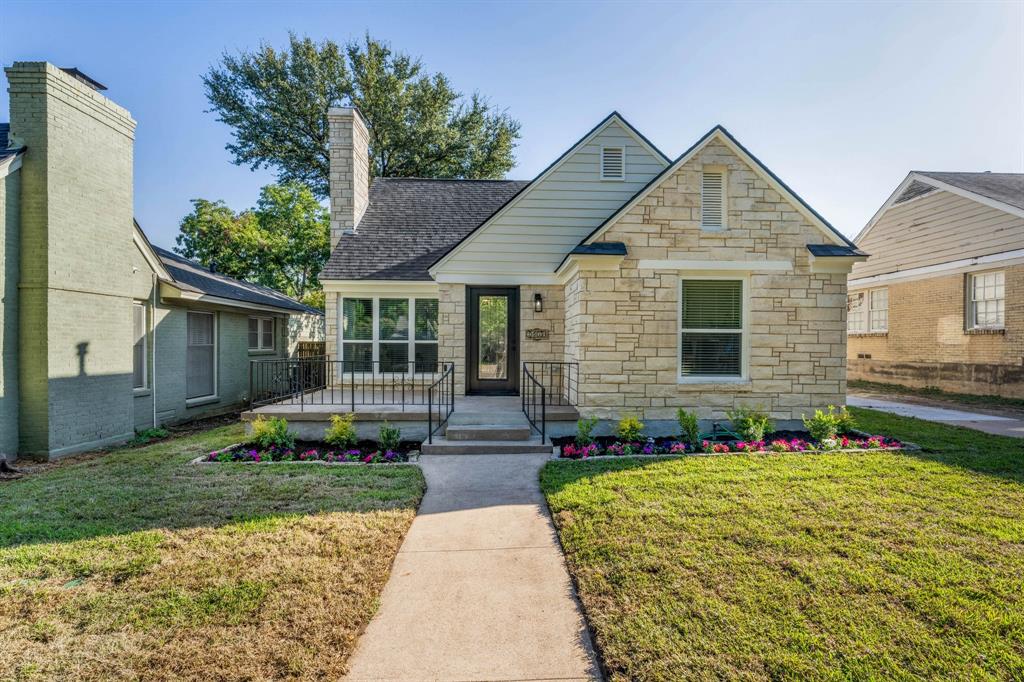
column 987, row 309
column 867, row 311
column 613, row 163
column 261, row 333
column 201, row 356
column 712, row 333
column 712, row 199
column 380, row 334
column 139, row 358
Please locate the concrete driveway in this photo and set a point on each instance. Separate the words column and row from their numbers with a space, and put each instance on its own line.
column 999, row 424
column 479, row 589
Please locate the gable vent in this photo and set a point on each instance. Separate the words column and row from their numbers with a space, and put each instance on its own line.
column 613, row 163
column 712, row 200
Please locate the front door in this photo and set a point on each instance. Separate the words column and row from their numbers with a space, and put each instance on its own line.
column 492, row 341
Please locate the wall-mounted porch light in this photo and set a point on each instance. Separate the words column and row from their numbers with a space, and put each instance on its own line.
column 538, row 303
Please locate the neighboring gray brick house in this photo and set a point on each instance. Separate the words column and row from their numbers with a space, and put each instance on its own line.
column 96, row 323
column 701, row 282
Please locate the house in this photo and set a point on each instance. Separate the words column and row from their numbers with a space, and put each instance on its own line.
column 103, row 334
column 627, row 281
column 941, row 300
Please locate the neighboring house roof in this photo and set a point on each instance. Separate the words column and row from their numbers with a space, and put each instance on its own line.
column 411, row 222
column 190, row 276
column 7, row 156
column 1004, row 191
column 726, row 137
column 1005, row 187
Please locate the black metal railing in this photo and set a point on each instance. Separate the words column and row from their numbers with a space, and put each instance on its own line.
column 560, row 380
column 441, row 394
column 323, row 381
column 534, row 397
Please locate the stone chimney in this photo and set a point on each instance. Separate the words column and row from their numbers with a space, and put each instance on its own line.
column 350, row 170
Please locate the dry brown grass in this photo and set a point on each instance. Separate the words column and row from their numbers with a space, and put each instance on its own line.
column 137, row 565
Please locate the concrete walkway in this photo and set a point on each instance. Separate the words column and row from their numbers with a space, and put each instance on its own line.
column 1001, row 425
column 479, row 590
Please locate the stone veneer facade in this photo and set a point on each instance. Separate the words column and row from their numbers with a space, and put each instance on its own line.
column 622, row 325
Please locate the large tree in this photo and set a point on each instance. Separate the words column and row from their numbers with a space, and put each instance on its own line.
column 282, row 243
column 276, row 102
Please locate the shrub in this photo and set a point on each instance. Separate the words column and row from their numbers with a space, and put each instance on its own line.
column 342, row 431
column 149, row 435
column 845, row 422
column 823, row 425
column 750, row 423
column 272, row 433
column 585, row 430
column 388, row 437
column 629, row 429
column 688, row 426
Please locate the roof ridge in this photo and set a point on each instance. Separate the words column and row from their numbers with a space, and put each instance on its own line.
column 405, row 177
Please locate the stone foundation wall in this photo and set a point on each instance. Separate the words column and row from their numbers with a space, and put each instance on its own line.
column 623, row 326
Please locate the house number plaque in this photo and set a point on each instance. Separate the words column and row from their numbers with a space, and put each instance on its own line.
column 537, row 334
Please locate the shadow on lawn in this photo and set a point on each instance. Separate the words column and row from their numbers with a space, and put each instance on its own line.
column 155, row 487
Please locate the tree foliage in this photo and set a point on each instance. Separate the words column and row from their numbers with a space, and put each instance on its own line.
column 276, row 103
column 282, row 243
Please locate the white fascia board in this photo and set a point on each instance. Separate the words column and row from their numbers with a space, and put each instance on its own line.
column 495, row 279
column 614, row 118
column 835, row 264
column 10, row 164
column 149, row 255
column 371, row 287
column 718, row 265
column 747, row 159
column 173, row 294
column 1003, row 259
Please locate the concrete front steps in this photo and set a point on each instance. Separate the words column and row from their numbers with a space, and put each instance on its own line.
column 499, row 432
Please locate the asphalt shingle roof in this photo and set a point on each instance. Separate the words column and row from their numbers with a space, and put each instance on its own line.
column 191, row 276
column 411, row 222
column 1005, row 187
column 830, row 250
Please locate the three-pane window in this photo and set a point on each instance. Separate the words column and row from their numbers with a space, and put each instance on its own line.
column 389, row 334
column 261, row 333
column 987, row 300
column 139, row 346
column 868, row 311
column 711, row 329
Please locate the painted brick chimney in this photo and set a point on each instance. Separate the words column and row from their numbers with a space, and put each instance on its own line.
column 350, row 170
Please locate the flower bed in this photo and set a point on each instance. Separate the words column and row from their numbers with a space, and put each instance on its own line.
column 778, row 442
column 364, row 452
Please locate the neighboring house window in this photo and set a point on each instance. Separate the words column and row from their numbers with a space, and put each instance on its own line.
column 878, row 310
column 868, row 311
column 389, row 334
column 201, row 356
column 613, row 163
column 711, row 329
column 855, row 312
column 712, row 200
column 139, row 370
column 987, row 300
column 261, row 333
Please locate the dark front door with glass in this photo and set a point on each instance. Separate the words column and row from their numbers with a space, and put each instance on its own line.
column 492, row 341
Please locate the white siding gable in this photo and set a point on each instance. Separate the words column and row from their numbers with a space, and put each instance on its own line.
column 535, row 231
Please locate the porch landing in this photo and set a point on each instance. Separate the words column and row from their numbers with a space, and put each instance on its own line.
column 319, row 406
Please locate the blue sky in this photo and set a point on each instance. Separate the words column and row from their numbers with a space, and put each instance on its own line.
column 841, row 100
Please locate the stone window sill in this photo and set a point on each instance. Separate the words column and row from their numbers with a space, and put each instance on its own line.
column 867, row 334
column 206, row 400
column 141, row 392
column 985, row 332
column 711, row 385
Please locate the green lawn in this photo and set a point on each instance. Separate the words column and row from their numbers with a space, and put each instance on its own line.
column 137, row 565
column 864, row 566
